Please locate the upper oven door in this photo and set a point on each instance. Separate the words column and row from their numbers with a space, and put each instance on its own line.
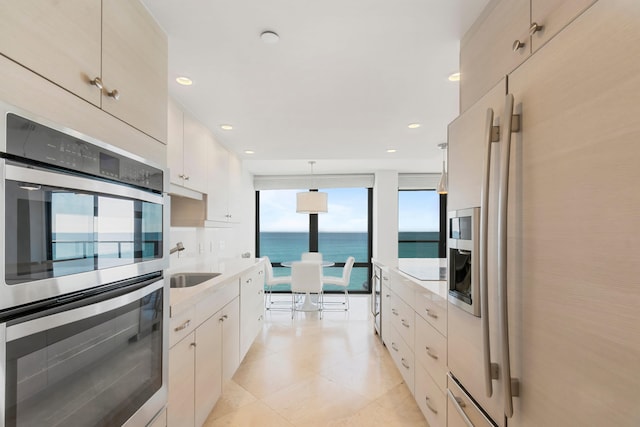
column 64, row 233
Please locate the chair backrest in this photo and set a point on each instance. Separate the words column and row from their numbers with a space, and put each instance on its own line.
column 306, row 276
column 269, row 268
column 346, row 271
column 311, row 256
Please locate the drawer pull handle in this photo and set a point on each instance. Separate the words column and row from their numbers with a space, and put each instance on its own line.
column 394, row 346
column 260, row 318
column 430, row 314
column 517, row 45
column 222, row 319
column 388, row 296
column 194, row 345
column 185, row 325
column 404, row 363
column 249, row 280
column 534, row 28
column 97, row 82
column 394, row 311
column 115, row 95
column 433, row 356
column 405, row 324
column 431, row 408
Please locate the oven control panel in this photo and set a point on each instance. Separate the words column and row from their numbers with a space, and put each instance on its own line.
column 33, row 141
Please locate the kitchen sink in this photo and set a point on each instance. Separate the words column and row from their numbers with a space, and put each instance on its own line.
column 186, row 280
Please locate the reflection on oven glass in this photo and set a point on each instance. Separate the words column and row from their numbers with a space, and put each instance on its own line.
column 94, row 372
column 57, row 232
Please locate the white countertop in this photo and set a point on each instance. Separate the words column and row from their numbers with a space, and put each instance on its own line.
column 182, row 298
column 424, row 268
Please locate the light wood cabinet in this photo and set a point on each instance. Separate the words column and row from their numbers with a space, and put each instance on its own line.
column 189, row 144
column 58, row 40
column 551, row 16
column 225, row 181
column 488, row 51
column 134, row 62
column 251, row 307
column 72, row 43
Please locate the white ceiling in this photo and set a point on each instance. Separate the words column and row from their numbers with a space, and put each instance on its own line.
column 340, row 86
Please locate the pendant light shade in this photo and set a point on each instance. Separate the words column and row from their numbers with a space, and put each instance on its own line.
column 443, row 186
column 311, row 202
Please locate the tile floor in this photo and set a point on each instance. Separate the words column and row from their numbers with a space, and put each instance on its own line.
column 317, row 372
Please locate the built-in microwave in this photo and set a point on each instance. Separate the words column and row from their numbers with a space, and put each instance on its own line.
column 464, row 286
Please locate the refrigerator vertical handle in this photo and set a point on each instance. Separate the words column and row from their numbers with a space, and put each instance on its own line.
column 491, row 136
column 505, row 153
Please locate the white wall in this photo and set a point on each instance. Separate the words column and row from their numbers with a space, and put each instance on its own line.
column 385, row 218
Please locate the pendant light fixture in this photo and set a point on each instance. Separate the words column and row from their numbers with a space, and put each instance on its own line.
column 311, row 202
column 443, row 183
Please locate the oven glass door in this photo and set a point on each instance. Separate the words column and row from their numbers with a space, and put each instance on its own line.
column 58, row 225
column 94, row 365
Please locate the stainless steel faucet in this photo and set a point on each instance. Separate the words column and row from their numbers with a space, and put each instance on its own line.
column 179, row 247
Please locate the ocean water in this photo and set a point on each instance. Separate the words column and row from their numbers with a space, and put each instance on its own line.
column 336, row 247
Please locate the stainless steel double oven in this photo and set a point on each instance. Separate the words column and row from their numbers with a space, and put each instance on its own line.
column 83, row 300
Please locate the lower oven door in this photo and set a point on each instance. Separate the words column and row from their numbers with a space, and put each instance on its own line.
column 98, row 361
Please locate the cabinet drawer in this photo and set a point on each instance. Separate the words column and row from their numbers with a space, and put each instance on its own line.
column 431, row 400
column 214, row 301
column 402, row 355
column 431, row 352
column 403, row 287
column 181, row 325
column 432, row 308
column 403, row 319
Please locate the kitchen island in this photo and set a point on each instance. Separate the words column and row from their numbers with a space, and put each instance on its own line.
column 414, row 329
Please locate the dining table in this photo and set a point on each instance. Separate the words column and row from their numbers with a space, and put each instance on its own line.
column 308, row 304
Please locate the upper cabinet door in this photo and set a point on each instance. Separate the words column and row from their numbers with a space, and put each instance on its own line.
column 197, row 144
column 135, row 65
column 59, row 40
column 548, row 17
column 489, row 50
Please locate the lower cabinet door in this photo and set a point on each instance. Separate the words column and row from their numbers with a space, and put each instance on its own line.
column 208, row 382
column 431, row 400
column 180, row 410
column 230, row 338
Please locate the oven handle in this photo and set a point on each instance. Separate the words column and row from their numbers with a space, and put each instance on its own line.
column 30, row 327
column 52, row 179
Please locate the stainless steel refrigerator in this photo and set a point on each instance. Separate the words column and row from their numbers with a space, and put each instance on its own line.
column 553, row 253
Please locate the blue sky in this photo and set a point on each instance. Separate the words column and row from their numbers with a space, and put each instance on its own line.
column 347, row 211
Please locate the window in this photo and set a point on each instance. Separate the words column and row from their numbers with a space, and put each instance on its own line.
column 421, row 224
column 344, row 231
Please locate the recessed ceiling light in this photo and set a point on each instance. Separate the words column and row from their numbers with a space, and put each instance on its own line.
column 391, row 150
column 455, row 77
column 184, row 81
column 414, row 125
column 249, row 152
column 226, row 127
column 269, row 37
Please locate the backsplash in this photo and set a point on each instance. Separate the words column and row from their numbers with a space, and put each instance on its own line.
column 206, row 249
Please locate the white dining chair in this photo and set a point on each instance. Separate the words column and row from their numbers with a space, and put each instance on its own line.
column 342, row 281
column 311, row 256
column 306, row 278
column 271, row 281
